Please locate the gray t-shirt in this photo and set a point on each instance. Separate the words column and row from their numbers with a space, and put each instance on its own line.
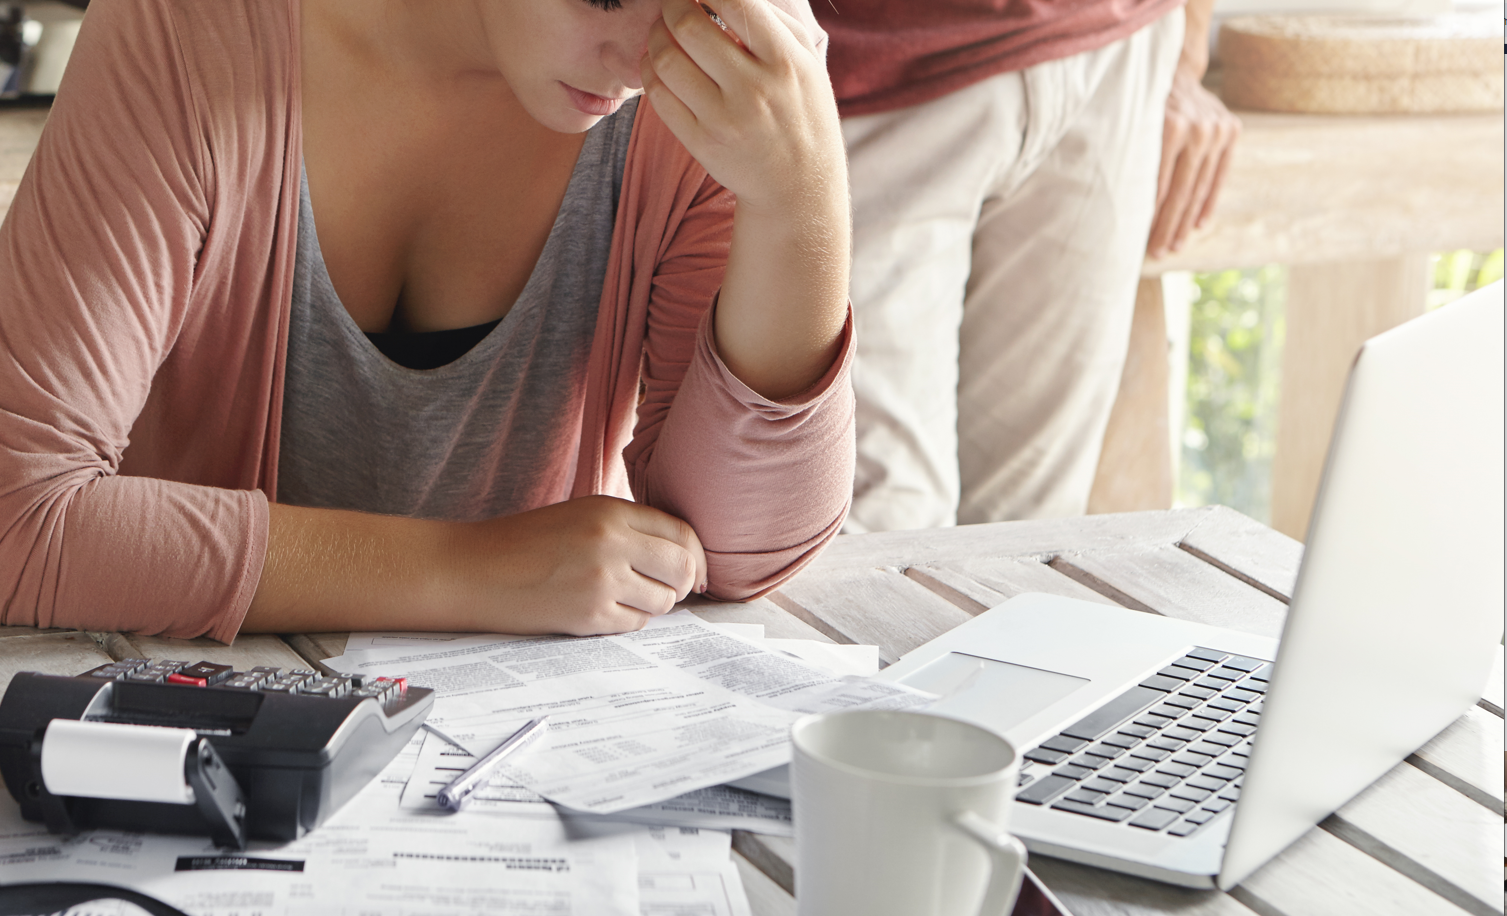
column 462, row 441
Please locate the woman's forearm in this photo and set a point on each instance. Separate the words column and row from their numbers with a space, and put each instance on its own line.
column 755, row 107
column 332, row 570
column 587, row 566
column 785, row 296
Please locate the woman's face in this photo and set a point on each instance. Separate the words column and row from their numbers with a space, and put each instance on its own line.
column 569, row 62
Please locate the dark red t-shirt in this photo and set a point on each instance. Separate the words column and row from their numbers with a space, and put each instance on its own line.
column 887, row 54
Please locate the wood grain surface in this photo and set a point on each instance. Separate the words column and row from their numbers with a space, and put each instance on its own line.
column 246, row 652
column 1467, row 757
column 69, row 652
column 764, row 896
column 874, row 606
column 1321, row 875
column 1429, row 832
column 1247, row 550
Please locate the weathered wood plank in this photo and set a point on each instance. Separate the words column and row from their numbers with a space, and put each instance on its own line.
column 116, row 644
column 1248, row 550
column 1171, row 581
column 871, row 607
column 778, row 623
column 774, row 856
column 1467, row 757
column 1034, row 538
column 977, row 585
column 765, row 898
column 1320, row 875
column 1429, row 832
column 248, row 651
column 67, row 653
column 1087, row 891
column 1135, row 464
column 957, row 589
column 316, row 647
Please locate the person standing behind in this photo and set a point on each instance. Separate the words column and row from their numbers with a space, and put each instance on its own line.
column 1012, row 163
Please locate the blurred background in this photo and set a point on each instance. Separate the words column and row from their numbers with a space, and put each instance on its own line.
column 1225, row 410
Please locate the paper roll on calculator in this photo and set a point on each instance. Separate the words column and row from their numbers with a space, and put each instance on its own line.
column 145, row 762
column 168, row 746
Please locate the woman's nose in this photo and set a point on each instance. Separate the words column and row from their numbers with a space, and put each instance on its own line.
column 622, row 54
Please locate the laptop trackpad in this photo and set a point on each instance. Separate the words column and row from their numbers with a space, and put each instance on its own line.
column 984, row 691
column 997, row 695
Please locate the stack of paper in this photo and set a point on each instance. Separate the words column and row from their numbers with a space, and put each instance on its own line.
column 636, row 719
column 445, row 756
column 375, row 857
column 644, row 728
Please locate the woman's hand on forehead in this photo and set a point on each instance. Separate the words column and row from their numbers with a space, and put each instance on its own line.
column 752, row 102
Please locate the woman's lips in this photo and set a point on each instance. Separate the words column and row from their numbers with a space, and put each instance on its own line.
column 590, row 103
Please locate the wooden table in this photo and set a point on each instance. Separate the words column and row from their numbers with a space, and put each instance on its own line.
column 1424, row 840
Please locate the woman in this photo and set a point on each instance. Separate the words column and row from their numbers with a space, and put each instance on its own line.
column 366, row 253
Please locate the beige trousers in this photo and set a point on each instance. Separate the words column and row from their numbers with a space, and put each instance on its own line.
column 998, row 236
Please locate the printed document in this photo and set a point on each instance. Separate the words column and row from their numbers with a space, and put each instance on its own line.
column 712, row 808
column 370, row 857
column 636, row 718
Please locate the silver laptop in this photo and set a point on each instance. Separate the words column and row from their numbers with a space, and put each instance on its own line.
column 1193, row 754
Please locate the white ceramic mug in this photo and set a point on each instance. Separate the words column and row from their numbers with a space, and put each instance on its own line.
column 902, row 814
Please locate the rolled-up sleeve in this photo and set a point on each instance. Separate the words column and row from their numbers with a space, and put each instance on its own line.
column 765, row 484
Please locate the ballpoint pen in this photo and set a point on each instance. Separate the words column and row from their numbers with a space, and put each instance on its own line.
column 454, row 795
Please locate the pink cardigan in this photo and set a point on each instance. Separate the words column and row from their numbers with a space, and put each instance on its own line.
column 145, row 276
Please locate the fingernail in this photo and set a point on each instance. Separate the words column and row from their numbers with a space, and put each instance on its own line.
column 701, row 589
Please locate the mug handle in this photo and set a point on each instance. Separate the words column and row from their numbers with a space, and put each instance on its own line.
column 1007, row 858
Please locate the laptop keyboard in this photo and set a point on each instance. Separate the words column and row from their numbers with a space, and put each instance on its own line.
column 1167, row 755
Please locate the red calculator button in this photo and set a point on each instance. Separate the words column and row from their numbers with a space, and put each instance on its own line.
column 191, row 681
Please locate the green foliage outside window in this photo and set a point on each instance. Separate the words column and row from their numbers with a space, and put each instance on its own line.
column 1459, row 272
column 1234, row 375
column 1234, row 369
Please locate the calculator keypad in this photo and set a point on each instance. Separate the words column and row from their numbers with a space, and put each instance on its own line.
column 263, row 679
